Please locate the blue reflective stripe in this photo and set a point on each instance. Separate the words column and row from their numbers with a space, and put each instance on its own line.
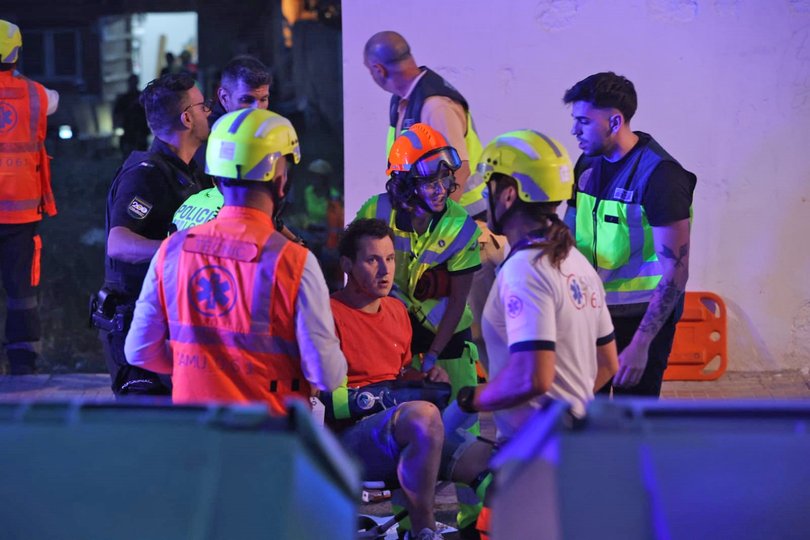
column 649, row 269
column 550, row 143
column 462, row 239
column 635, row 224
column 238, row 121
column 247, row 342
column 627, row 297
column 436, row 314
column 402, row 243
column 384, row 210
column 635, row 266
column 14, row 206
column 36, row 106
column 172, row 249
column 19, row 147
column 399, row 294
column 263, row 284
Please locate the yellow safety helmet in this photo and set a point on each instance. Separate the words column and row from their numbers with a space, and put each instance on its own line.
column 539, row 164
column 10, row 42
column 247, row 144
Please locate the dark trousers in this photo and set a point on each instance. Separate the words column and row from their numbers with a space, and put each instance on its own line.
column 19, row 266
column 423, row 339
column 128, row 379
column 661, row 346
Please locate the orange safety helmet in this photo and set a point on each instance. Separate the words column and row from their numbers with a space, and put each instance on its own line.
column 421, row 151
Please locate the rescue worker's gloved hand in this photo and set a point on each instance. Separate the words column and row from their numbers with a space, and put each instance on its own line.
column 428, row 361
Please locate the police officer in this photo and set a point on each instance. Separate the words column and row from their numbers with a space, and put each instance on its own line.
column 146, row 192
column 632, row 219
column 245, row 310
column 25, row 194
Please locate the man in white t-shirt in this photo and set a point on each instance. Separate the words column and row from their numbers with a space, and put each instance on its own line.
column 546, row 326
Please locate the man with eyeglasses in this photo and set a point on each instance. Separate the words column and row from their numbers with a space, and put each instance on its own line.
column 437, row 254
column 147, row 190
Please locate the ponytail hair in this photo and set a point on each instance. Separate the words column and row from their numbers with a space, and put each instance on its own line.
column 557, row 241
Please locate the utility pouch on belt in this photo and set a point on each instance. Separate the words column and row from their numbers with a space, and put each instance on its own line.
column 356, row 403
column 110, row 311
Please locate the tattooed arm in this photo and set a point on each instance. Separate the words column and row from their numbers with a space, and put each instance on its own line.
column 672, row 246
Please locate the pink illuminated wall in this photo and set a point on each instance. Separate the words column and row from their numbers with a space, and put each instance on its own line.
column 724, row 85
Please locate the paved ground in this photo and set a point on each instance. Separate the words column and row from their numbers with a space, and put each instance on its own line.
column 791, row 384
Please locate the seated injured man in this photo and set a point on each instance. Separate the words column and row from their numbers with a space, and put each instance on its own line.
column 404, row 439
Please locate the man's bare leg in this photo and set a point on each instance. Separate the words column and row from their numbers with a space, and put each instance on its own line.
column 419, row 433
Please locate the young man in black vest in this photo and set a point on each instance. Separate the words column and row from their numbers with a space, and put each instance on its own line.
column 631, row 217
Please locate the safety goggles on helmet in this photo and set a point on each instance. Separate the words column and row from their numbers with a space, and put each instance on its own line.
column 432, row 162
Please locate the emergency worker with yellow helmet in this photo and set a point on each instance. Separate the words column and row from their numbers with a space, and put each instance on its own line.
column 25, row 195
column 546, row 325
column 437, row 254
column 245, row 310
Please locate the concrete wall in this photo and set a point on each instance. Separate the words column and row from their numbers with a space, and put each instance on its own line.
column 724, row 85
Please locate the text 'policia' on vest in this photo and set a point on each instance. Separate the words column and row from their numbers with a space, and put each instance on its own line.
column 432, row 84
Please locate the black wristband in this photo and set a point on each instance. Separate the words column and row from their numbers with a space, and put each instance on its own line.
column 465, row 399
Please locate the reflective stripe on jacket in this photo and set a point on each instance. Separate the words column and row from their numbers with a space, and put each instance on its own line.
column 229, row 288
column 454, row 232
column 612, row 229
column 25, row 174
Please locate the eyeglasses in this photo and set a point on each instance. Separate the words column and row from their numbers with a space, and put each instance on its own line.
column 206, row 105
column 445, row 183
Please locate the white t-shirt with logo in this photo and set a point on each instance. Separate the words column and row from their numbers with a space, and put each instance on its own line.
column 534, row 306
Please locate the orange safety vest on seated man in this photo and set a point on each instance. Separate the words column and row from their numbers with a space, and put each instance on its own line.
column 229, row 289
column 25, row 173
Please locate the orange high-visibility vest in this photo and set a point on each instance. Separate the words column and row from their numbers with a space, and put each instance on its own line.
column 229, row 289
column 25, row 173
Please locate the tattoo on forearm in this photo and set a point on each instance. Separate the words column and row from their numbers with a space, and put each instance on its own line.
column 663, row 300
column 667, row 253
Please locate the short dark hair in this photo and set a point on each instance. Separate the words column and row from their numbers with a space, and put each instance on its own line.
column 357, row 229
column 605, row 90
column 248, row 69
column 163, row 100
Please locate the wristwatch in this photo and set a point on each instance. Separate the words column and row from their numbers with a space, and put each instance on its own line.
column 466, row 398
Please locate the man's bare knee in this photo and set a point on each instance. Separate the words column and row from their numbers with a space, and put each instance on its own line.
column 418, row 420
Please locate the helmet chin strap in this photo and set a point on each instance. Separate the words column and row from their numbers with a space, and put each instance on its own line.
column 422, row 204
column 279, row 201
column 497, row 224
